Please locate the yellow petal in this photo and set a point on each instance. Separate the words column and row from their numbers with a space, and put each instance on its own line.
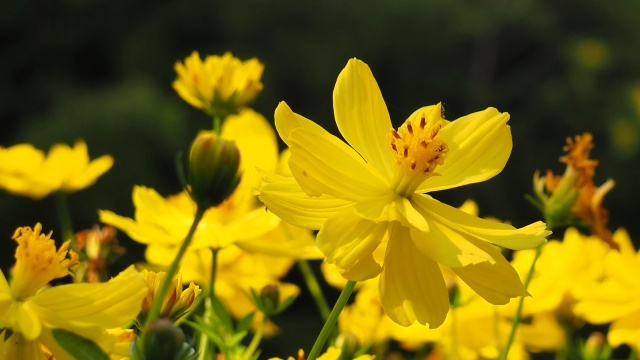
column 362, row 116
column 106, row 305
column 283, row 196
column 479, row 146
column 27, row 320
column 17, row 347
column 608, row 301
column 490, row 231
column 323, row 164
column 349, row 241
column 391, row 207
column 496, row 282
column 411, row 285
column 625, row 331
column 256, row 140
column 284, row 240
column 286, row 121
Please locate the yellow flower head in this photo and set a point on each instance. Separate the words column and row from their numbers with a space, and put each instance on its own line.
column 24, row 170
column 38, row 261
column 219, row 84
column 369, row 198
column 31, row 312
column 176, row 302
column 616, row 298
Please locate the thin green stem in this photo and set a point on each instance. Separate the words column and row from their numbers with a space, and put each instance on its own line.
column 154, row 312
column 633, row 355
column 64, row 217
column 327, row 329
column 518, row 315
column 257, row 337
column 314, row 288
column 204, row 345
column 217, row 124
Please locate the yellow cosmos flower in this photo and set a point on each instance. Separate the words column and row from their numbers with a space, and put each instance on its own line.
column 85, row 309
column 26, row 171
column 332, row 353
column 218, row 81
column 370, row 204
column 617, row 298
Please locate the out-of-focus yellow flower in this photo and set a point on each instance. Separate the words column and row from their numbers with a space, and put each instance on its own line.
column 176, row 302
column 85, row 309
column 26, row 171
column 369, row 201
column 332, row 353
column 617, row 298
column 219, row 82
column 580, row 260
column 255, row 247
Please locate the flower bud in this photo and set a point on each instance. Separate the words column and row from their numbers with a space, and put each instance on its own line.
column 213, row 169
column 163, row 340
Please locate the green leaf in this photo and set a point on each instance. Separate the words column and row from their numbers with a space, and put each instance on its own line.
column 78, row 346
column 245, row 322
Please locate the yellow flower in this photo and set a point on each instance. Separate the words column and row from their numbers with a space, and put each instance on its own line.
column 218, row 81
column 24, row 170
column 577, row 257
column 617, row 298
column 85, row 309
column 176, row 302
column 368, row 199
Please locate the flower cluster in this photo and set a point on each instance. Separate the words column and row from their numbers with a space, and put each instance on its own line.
column 431, row 280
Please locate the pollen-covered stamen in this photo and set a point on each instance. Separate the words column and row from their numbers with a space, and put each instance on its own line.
column 417, row 150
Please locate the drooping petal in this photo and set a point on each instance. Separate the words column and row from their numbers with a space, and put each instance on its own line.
column 411, row 285
column 283, row 196
column 479, row 146
column 391, row 207
column 362, row 116
column 349, row 241
column 106, row 305
column 323, row 164
column 27, row 320
column 496, row 282
column 490, row 231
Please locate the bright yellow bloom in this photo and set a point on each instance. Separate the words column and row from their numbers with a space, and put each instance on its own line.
column 26, row 171
column 218, row 81
column 617, row 298
column 176, row 302
column 370, row 204
column 85, row 309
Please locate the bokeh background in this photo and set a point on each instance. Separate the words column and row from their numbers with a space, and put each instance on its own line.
column 101, row 70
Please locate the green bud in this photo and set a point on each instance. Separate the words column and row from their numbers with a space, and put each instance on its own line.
column 213, row 169
column 162, row 340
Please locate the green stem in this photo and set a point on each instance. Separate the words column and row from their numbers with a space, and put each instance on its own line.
column 314, row 288
column 204, row 345
column 518, row 315
column 64, row 217
column 257, row 337
column 217, row 124
column 173, row 268
column 327, row 329
column 633, row 355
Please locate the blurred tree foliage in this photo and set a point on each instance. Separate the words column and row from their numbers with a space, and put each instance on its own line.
column 102, row 70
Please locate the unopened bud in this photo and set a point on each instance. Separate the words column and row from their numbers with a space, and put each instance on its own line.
column 213, row 169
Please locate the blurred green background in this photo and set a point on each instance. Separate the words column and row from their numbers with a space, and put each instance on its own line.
column 102, row 70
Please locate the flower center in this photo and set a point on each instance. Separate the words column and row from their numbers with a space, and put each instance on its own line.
column 417, row 149
column 38, row 261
